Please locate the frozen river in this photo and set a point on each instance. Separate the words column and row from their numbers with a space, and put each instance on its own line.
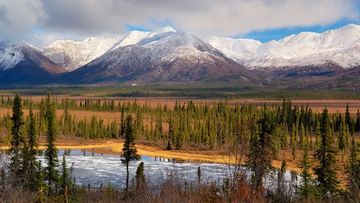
column 97, row 169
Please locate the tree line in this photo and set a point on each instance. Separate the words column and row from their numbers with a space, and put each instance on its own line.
column 259, row 133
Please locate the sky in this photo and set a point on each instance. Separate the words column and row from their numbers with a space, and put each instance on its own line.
column 42, row 21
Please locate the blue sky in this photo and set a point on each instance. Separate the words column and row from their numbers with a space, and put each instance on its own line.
column 276, row 34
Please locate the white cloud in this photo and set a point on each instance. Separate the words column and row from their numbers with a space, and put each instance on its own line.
column 220, row 17
column 19, row 16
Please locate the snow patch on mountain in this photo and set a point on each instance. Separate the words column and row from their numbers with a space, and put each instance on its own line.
column 161, row 31
column 340, row 46
column 132, row 38
column 73, row 54
column 237, row 49
column 10, row 56
column 135, row 37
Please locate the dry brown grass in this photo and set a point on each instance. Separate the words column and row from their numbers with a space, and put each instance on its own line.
column 334, row 105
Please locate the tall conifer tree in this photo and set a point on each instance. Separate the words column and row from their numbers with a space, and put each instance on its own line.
column 17, row 141
column 129, row 148
column 325, row 171
column 261, row 151
column 51, row 155
column 32, row 150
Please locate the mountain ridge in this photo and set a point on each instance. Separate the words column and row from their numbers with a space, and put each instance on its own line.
column 169, row 55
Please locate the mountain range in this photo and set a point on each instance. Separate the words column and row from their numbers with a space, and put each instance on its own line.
column 306, row 60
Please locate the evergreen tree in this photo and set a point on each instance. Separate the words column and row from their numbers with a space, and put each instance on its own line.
column 307, row 188
column 122, row 122
column 326, row 174
column 170, row 134
column 39, row 184
column 354, row 173
column 317, row 134
column 357, row 122
column 17, row 141
column 140, row 177
column 51, row 155
column 293, row 142
column 129, row 148
column 32, row 151
column 341, row 138
column 302, row 136
column 158, row 126
column 347, row 116
column 65, row 180
column 261, row 151
column 67, row 120
column 280, row 193
column 199, row 175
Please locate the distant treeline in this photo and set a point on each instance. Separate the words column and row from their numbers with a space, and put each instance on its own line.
column 206, row 125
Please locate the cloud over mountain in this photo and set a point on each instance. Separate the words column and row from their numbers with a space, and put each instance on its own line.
column 230, row 17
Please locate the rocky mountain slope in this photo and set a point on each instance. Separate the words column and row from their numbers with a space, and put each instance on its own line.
column 24, row 64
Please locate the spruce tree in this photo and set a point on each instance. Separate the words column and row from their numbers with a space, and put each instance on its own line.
column 325, row 171
column 51, row 155
column 347, row 116
column 261, row 151
column 39, row 184
column 65, row 180
column 307, row 188
column 357, row 122
column 17, row 141
column 140, row 177
column 199, row 176
column 170, row 134
column 280, row 193
column 354, row 173
column 32, row 150
column 129, row 148
column 122, row 122
column 341, row 138
column 317, row 134
column 302, row 136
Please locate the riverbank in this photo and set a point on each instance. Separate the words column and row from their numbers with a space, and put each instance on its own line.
column 114, row 146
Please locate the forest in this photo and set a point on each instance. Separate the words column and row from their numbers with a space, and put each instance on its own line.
column 324, row 147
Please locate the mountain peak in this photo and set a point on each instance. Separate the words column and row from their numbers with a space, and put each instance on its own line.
column 351, row 26
column 166, row 29
column 161, row 31
column 130, row 39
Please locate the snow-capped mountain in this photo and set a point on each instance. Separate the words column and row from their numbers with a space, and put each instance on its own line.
column 175, row 56
column 340, row 46
column 23, row 63
column 237, row 49
column 136, row 36
column 163, row 55
column 74, row 54
column 10, row 56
